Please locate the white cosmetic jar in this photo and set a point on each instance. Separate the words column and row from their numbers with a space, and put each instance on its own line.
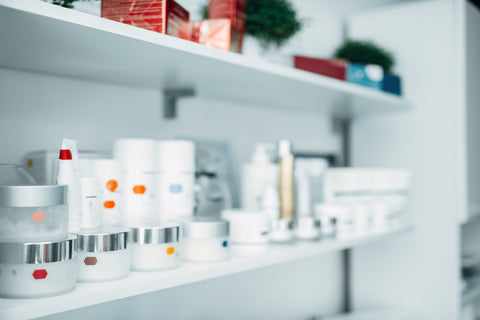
column 248, row 227
column 205, row 240
column 40, row 269
column 155, row 248
column 103, row 255
column 33, row 213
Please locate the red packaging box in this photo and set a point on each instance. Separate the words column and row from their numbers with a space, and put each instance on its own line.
column 333, row 68
column 164, row 16
column 234, row 10
column 212, row 32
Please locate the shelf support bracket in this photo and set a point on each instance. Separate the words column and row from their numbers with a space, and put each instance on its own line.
column 170, row 97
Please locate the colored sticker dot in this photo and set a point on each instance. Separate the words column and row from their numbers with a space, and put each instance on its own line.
column 39, row 274
column 109, row 204
column 30, row 163
column 225, row 243
column 38, row 216
column 90, row 261
column 175, row 188
column 112, row 185
column 139, row 189
column 170, row 250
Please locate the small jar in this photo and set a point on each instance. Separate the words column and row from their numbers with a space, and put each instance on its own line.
column 155, row 248
column 102, row 255
column 248, row 227
column 34, row 270
column 33, row 213
column 205, row 240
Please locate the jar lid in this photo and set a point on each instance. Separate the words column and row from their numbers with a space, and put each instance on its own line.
column 102, row 240
column 205, row 228
column 38, row 252
column 156, row 235
column 33, row 196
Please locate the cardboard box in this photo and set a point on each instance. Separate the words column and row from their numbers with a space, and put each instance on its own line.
column 234, row 10
column 212, row 32
column 368, row 75
column 333, row 68
column 164, row 16
column 392, row 84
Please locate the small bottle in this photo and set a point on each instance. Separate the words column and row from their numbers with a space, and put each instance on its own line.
column 89, row 214
column 286, row 186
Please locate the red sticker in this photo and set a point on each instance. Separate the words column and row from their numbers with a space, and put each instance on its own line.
column 40, row 274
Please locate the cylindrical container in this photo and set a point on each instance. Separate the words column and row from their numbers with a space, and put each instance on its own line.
column 37, row 269
column 137, row 165
column 89, row 214
column 155, row 248
column 107, row 171
column 175, row 178
column 282, row 231
column 286, row 182
column 33, row 213
column 307, row 228
column 205, row 240
column 103, row 255
column 248, row 227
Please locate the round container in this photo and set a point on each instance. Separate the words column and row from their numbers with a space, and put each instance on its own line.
column 107, row 171
column 282, row 231
column 175, row 178
column 33, row 213
column 102, row 255
column 248, row 227
column 40, row 269
column 155, row 248
column 205, row 240
column 307, row 228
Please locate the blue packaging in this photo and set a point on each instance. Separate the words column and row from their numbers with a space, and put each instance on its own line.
column 368, row 75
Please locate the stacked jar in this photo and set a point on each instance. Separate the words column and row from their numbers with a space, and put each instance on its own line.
column 137, row 176
column 107, row 171
column 37, row 255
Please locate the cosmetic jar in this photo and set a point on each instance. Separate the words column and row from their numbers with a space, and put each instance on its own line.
column 205, row 240
column 155, row 248
column 282, row 231
column 33, row 213
column 248, row 227
column 37, row 269
column 103, row 255
column 307, row 228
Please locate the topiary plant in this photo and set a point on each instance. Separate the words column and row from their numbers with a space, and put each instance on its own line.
column 65, row 3
column 365, row 52
column 270, row 21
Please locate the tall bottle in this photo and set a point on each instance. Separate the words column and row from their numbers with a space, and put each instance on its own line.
column 286, row 185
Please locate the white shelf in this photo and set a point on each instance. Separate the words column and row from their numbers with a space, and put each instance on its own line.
column 43, row 38
column 244, row 258
column 374, row 315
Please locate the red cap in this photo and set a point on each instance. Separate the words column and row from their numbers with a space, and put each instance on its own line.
column 65, row 154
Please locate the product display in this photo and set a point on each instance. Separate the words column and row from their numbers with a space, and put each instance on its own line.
column 37, row 269
column 333, row 68
column 308, row 184
column 205, row 240
column 248, row 227
column 213, row 33
column 368, row 75
column 307, row 228
column 155, row 248
column 282, row 230
column 234, row 10
column 89, row 213
column 103, row 255
column 137, row 176
column 286, row 185
column 107, row 171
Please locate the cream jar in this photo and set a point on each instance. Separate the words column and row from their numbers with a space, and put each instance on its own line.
column 40, row 269
column 205, row 240
column 103, row 255
column 248, row 227
column 155, row 248
column 33, row 213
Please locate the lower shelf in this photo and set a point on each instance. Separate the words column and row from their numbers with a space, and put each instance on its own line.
column 243, row 258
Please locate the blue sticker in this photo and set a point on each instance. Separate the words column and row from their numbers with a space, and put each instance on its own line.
column 175, row 188
column 225, row 243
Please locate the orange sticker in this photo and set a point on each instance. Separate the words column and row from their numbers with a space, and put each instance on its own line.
column 90, row 261
column 170, row 250
column 109, row 204
column 139, row 189
column 112, row 185
column 30, row 163
column 38, row 216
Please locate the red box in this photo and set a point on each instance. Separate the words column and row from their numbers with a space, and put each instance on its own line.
column 164, row 16
column 333, row 68
column 212, row 32
column 234, row 10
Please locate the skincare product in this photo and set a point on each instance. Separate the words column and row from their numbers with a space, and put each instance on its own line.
column 137, row 176
column 205, row 240
column 107, row 171
column 248, row 227
column 155, row 248
column 103, row 255
column 286, row 188
column 89, row 214
column 282, row 231
column 37, row 269
column 175, row 178
column 307, row 228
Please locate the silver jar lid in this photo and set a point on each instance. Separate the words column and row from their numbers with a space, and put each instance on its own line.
column 33, row 196
column 205, row 228
column 38, row 252
column 166, row 233
column 102, row 239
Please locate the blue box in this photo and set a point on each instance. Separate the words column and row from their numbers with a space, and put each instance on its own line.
column 392, row 83
column 368, row 75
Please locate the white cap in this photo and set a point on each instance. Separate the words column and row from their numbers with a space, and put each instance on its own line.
column 175, row 156
column 135, row 154
column 90, row 187
column 284, row 148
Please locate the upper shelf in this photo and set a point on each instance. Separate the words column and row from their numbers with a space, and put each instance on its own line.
column 243, row 258
column 40, row 37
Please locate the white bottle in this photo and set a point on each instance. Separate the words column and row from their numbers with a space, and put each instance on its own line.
column 175, row 179
column 258, row 175
column 89, row 213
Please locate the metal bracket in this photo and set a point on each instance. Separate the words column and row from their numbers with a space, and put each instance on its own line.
column 170, row 97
